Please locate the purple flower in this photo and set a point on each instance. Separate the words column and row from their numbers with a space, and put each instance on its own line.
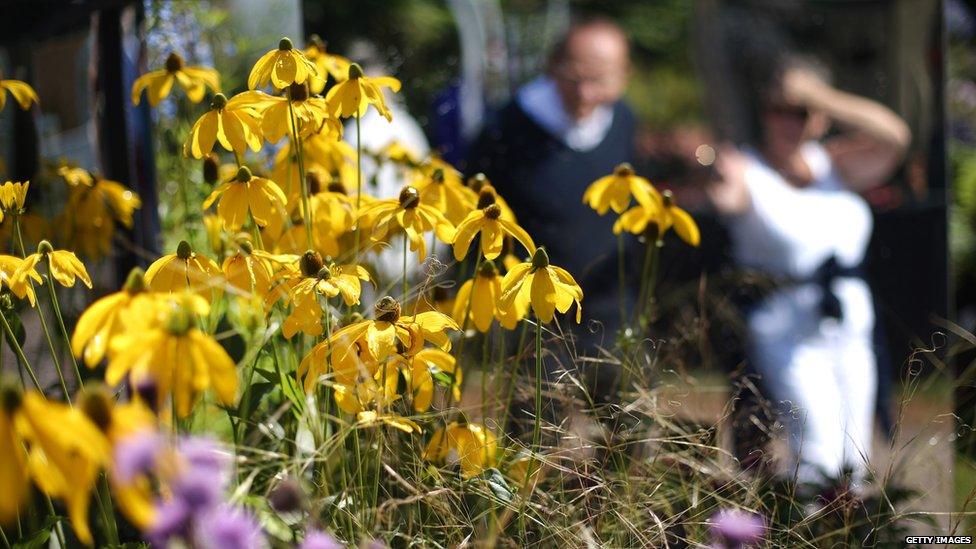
column 229, row 528
column 319, row 540
column 172, row 520
column 198, row 489
column 204, row 454
column 136, row 455
column 735, row 528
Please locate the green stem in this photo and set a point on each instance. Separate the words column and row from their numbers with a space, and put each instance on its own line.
column 622, row 274
column 359, row 182
column 57, row 315
column 300, row 154
column 19, row 351
column 406, row 286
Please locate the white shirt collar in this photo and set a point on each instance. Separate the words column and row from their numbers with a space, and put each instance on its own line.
column 541, row 102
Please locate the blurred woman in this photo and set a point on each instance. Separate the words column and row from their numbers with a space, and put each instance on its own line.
column 792, row 205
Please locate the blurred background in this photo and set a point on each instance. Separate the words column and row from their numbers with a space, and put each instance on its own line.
column 459, row 60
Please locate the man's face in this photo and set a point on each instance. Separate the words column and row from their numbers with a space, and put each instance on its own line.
column 593, row 70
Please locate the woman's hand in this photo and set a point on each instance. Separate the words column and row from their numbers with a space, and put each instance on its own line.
column 730, row 194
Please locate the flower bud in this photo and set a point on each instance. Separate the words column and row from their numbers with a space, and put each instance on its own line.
column 285, row 44
column 136, row 281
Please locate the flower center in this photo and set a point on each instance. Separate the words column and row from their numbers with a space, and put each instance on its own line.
column 298, row 92
column 336, row 186
column 10, row 398
column 623, row 170
column 243, row 174
column 246, row 246
column 668, row 198
column 285, row 44
column 218, row 102
column 493, row 211
column 211, row 168
column 44, row 247
column 478, row 181
column 409, row 197
column 355, row 71
column 311, row 263
column 314, row 183
column 540, row 259
column 324, row 273
column 437, row 176
column 183, row 250
column 488, row 269
column 387, row 309
column 96, row 405
column 174, row 63
column 486, row 197
column 180, row 321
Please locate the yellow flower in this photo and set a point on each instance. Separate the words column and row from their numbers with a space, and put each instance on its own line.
column 22, row 289
column 63, row 266
column 12, row 197
column 13, row 461
column 250, row 272
column 480, row 300
column 158, row 83
column 478, row 181
column 281, row 67
column 185, row 270
column 327, row 64
column 101, row 322
column 182, row 360
column 311, row 115
column 358, row 92
column 661, row 216
column 614, row 191
column 440, row 186
column 419, row 371
column 22, row 92
column 246, row 193
column 373, row 341
column 488, row 221
column 235, row 125
column 94, row 206
column 545, row 287
column 309, row 279
column 471, row 445
column 407, row 212
column 369, row 418
column 66, row 453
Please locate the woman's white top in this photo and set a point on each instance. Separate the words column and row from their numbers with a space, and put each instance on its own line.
column 790, row 232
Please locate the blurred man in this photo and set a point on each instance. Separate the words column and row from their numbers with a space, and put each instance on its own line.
column 562, row 131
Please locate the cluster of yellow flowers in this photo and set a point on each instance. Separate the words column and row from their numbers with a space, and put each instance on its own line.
column 291, row 245
column 654, row 211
